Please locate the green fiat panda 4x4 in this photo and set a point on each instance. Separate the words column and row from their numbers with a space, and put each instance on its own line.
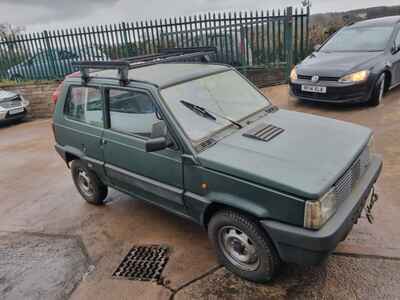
column 198, row 139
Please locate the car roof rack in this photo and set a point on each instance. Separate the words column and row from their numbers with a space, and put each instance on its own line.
column 166, row 55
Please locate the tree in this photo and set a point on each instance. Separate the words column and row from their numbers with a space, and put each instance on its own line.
column 8, row 31
column 306, row 3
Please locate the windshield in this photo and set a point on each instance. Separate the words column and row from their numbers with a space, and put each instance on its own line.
column 227, row 94
column 359, row 39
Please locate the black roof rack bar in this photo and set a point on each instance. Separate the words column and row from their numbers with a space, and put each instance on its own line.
column 124, row 65
column 120, row 65
column 174, row 58
column 168, row 52
column 187, row 50
column 148, row 57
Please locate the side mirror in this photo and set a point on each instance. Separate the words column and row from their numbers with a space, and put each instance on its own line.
column 156, row 144
column 159, row 139
column 317, row 47
column 159, row 129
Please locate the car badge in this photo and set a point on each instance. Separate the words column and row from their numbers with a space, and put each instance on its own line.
column 315, row 78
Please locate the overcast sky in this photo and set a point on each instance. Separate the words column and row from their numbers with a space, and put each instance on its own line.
column 37, row 15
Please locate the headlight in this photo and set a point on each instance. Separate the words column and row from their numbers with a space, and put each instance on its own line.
column 355, row 77
column 25, row 102
column 317, row 213
column 293, row 74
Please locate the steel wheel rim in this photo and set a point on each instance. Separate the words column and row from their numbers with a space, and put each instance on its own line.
column 84, row 182
column 238, row 248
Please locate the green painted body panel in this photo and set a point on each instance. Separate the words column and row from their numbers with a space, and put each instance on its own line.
column 257, row 200
column 269, row 180
column 305, row 160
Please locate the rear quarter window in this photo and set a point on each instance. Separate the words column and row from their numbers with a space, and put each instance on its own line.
column 85, row 104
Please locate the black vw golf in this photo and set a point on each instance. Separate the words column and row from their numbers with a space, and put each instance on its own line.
column 357, row 64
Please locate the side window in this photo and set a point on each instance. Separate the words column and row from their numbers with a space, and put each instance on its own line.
column 85, row 104
column 131, row 112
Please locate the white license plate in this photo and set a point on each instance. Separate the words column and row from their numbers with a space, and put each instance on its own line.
column 313, row 89
column 16, row 111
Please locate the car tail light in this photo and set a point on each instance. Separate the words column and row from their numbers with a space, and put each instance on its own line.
column 56, row 93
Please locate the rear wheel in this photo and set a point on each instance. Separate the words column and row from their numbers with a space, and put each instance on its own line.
column 242, row 246
column 379, row 91
column 88, row 184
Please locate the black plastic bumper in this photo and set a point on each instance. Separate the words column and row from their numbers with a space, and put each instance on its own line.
column 308, row 247
column 335, row 92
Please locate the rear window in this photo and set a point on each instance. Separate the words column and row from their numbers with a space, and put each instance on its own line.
column 85, row 104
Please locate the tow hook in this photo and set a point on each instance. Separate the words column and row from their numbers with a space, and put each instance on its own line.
column 368, row 208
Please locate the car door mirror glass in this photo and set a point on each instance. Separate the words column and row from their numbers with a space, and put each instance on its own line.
column 159, row 129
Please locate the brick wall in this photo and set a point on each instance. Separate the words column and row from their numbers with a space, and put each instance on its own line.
column 39, row 96
column 263, row 77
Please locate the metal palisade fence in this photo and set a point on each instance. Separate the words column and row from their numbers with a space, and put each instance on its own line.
column 245, row 40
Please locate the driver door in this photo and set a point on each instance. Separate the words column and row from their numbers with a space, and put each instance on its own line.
column 155, row 177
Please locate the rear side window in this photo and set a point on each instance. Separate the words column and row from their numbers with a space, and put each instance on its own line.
column 85, row 104
column 131, row 112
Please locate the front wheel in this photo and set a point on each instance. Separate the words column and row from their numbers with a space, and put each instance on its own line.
column 242, row 246
column 379, row 91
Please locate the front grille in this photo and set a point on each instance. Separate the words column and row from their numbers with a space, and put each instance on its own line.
column 11, row 104
column 321, row 78
column 344, row 186
column 333, row 93
column 143, row 263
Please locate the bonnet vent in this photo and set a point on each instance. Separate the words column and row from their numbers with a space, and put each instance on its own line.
column 264, row 132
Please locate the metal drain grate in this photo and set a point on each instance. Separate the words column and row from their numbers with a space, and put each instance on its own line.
column 143, row 263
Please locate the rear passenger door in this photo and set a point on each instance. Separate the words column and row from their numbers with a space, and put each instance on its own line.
column 155, row 177
column 84, row 120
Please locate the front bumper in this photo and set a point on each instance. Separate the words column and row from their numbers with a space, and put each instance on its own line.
column 308, row 247
column 335, row 92
column 6, row 116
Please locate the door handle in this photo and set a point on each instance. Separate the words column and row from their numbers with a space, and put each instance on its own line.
column 103, row 142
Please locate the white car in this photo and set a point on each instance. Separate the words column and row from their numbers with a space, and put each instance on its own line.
column 12, row 106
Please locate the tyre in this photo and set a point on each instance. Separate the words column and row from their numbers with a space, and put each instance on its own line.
column 88, row 184
column 378, row 92
column 242, row 246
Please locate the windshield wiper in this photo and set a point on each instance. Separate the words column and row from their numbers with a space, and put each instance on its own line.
column 208, row 114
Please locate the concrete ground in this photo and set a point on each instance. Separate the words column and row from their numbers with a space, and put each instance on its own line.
column 55, row 246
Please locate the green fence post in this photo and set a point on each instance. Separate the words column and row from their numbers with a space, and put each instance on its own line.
column 289, row 39
column 49, row 50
